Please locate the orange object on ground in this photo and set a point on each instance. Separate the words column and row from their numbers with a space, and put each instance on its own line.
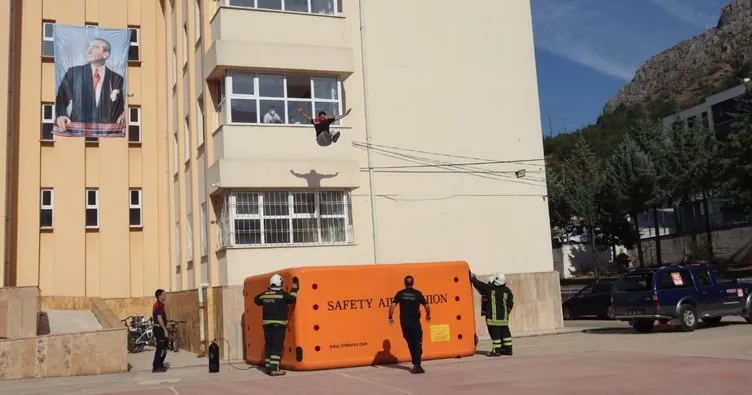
column 341, row 315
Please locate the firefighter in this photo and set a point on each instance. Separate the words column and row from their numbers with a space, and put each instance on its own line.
column 274, row 302
column 498, row 302
column 409, row 300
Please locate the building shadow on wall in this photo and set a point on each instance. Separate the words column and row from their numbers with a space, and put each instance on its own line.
column 386, row 359
column 313, row 178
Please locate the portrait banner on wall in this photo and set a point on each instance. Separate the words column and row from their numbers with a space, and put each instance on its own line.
column 90, row 78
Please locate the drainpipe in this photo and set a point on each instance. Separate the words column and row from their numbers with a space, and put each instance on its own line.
column 201, row 311
column 369, row 138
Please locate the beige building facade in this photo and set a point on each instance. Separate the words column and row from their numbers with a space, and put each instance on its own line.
column 220, row 177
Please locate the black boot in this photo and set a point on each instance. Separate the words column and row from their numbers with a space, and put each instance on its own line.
column 506, row 350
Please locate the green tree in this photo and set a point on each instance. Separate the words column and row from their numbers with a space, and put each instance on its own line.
column 654, row 141
column 693, row 166
column 737, row 153
column 582, row 177
column 558, row 209
column 630, row 184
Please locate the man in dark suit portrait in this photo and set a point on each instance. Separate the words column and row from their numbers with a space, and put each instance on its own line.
column 94, row 93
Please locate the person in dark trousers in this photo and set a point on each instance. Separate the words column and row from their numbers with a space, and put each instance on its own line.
column 159, row 317
column 409, row 300
column 498, row 302
column 274, row 302
column 321, row 123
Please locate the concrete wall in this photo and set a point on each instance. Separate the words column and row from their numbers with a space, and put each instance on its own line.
column 19, row 307
column 74, row 354
column 734, row 244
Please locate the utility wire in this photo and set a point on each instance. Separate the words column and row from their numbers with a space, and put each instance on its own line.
column 497, row 177
column 422, row 160
column 447, row 155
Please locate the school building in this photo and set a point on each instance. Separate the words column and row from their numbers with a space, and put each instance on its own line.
column 220, row 177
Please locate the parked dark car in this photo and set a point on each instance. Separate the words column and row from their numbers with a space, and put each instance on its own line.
column 592, row 300
column 682, row 293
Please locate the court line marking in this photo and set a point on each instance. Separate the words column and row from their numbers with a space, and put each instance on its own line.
column 376, row 383
column 174, row 391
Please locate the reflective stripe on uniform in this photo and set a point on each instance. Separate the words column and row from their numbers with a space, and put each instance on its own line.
column 494, row 319
column 270, row 296
column 274, row 322
column 507, row 341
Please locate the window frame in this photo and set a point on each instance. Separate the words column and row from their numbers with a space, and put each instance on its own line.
column 197, row 22
column 137, row 123
column 344, row 198
column 48, row 39
column 229, row 95
column 200, row 119
column 50, row 121
column 50, row 207
column 187, row 152
column 175, row 152
column 138, row 206
column 94, row 206
column 136, row 44
column 335, row 4
column 178, row 246
column 189, row 237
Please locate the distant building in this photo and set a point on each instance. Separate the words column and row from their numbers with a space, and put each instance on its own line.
column 715, row 111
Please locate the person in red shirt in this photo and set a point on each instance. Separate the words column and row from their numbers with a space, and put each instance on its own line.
column 159, row 316
column 321, row 123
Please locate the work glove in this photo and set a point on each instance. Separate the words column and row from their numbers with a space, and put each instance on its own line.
column 295, row 283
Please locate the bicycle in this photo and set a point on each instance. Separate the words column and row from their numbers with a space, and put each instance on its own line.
column 140, row 333
column 173, row 336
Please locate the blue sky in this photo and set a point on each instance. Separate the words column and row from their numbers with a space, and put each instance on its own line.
column 587, row 49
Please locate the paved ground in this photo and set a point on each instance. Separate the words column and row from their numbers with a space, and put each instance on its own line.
column 607, row 356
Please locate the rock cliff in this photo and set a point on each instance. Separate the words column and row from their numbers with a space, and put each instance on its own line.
column 694, row 68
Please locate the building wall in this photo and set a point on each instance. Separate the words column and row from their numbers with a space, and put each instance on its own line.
column 459, row 96
column 114, row 260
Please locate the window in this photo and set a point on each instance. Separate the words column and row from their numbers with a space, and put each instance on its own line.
column 328, row 7
column 135, row 216
column 48, row 39
column 134, row 124
column 48, row 121
column 586, row 291
column 270, row 98
column 275, row 218
column 46, row 207
column 178, row 247
column 92, row 208
column 675, row 279
column 202, row 231
column 185, row 44
column 189, row 237
column 187, row 140
column 197, row 20
column 175, row 159
column 174, row 67
column 134, row 51
column 635, row 282
column 200, row 120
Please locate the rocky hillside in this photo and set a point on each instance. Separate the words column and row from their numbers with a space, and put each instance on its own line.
column 694, row 68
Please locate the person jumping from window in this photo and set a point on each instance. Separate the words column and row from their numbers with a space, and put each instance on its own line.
column 321, row 123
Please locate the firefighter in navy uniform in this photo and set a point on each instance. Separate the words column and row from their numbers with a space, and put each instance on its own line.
column 409, row 299
column 498, row 302
column 274, row 302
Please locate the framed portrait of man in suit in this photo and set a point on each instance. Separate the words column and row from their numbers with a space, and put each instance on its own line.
column 91, row 64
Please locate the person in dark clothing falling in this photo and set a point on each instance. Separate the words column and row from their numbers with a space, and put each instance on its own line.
column 159, row 317
column 498, row 302
column 321, row 123
column 274, row 302
column 409, row 300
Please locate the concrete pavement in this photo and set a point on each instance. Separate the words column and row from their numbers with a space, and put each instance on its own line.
column 573, row 363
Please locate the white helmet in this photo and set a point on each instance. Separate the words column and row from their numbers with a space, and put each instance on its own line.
column 275, row 281
column 499, row 279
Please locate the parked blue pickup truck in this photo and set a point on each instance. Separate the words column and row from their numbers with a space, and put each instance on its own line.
column 685, row 293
